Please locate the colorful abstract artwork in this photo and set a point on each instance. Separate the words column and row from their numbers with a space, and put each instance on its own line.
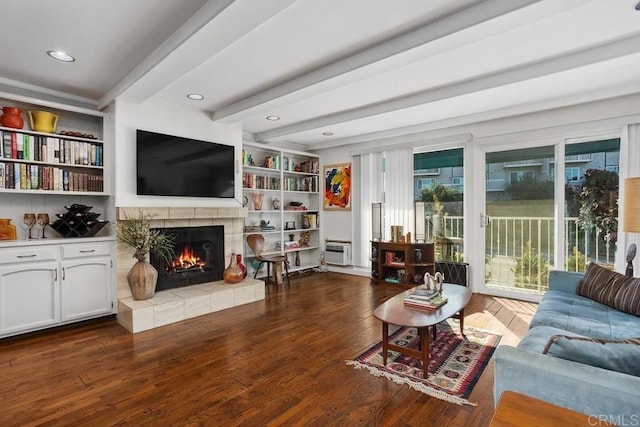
column 337, row 187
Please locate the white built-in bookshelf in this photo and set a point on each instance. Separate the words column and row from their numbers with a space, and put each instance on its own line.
column 284, row 178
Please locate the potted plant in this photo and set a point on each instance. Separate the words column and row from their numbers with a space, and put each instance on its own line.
column 137, row 233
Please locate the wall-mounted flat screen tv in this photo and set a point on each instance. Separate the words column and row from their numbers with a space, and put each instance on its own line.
column 176, row 166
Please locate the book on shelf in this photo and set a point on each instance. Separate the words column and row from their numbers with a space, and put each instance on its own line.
column 23, row 176
column 51, row 149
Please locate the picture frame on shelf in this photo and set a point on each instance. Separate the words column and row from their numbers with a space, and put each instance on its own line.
column 290, row 225
column 337, row 187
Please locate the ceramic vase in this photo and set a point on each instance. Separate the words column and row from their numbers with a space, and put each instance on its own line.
column 142, row 277
column 257, row 200
column 233, row 273
column 11, row 118
column 43, row 121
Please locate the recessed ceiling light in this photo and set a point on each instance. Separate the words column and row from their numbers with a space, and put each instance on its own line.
column 273, row 118
column 61, row 56
column 327, row 133
column 195, row 96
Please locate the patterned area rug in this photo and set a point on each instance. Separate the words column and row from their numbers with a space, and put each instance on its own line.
column 455, row 362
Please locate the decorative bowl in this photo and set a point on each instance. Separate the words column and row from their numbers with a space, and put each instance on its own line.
column 295, row 203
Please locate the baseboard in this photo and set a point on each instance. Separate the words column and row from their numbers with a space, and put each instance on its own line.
column 350, row 269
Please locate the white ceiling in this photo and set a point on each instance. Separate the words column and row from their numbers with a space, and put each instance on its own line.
column 361, row 69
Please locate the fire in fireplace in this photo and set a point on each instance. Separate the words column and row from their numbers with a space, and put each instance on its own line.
column 199, row 257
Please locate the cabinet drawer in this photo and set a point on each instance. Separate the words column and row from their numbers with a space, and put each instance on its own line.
column 15, row 255
column 86, row 250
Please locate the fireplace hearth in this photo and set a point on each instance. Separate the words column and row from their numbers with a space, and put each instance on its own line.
column 199, row 257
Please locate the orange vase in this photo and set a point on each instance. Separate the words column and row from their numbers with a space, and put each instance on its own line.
column 7, row 230
column 11, row 118
column 233, row 273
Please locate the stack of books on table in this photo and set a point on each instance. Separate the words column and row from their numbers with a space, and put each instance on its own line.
column 425, row 298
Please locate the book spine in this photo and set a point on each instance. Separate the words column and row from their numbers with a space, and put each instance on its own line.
column 8, row 175
column 14, row 146
column 22, row 174
column 32, row 177
column 19, row 146
column 43, row 149
column 56, row 150
column 25, row 147
column 6, row 145
column 67, row 152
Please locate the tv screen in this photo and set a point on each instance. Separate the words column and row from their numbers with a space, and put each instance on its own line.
column 175, row 166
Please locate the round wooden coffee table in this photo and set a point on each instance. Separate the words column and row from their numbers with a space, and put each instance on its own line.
column 393, row 311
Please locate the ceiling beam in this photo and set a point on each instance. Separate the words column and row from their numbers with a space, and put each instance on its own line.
column 292, row 89
column 543, row 67
column 214, row 27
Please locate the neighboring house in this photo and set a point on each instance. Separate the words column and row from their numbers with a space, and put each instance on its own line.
column 500, row 175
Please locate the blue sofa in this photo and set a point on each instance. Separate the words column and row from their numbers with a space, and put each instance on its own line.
column 581, row 387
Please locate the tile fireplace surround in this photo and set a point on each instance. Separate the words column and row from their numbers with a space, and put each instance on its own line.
column 174, row 305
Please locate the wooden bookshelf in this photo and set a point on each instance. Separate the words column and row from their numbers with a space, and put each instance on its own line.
column 401, row 263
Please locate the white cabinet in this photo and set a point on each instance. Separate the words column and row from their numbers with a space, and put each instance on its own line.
column 54, row 282
column 289, row 183
column 29, row 297
column 86, row 281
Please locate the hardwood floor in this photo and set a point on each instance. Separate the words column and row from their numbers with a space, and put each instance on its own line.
column 280, row 361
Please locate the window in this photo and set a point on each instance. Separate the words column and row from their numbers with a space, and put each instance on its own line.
column 590, row 234
column 519, row 175
column 572, row 175
column 425, row 183
column 443, row 198
column 519, row 238
column 613, row 168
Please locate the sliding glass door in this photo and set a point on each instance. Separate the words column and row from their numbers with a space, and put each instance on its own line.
column 519, row 219
column 438, row 179
column 531, row 225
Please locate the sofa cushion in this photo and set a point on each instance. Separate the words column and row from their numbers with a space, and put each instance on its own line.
column 614, row 355
column 583, row 316
column 610, row 288
column 538, row 337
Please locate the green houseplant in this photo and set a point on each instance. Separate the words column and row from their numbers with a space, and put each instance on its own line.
column 138, row 234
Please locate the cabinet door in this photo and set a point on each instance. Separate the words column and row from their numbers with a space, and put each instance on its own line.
column 29, row 297
column 86, row 290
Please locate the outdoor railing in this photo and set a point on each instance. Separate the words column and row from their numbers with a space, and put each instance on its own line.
column 519, row 250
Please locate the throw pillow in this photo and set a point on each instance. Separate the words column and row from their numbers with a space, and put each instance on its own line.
column 610, row 288
column 614, row 355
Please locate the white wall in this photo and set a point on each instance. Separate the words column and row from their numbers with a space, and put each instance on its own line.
column 167, row 119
